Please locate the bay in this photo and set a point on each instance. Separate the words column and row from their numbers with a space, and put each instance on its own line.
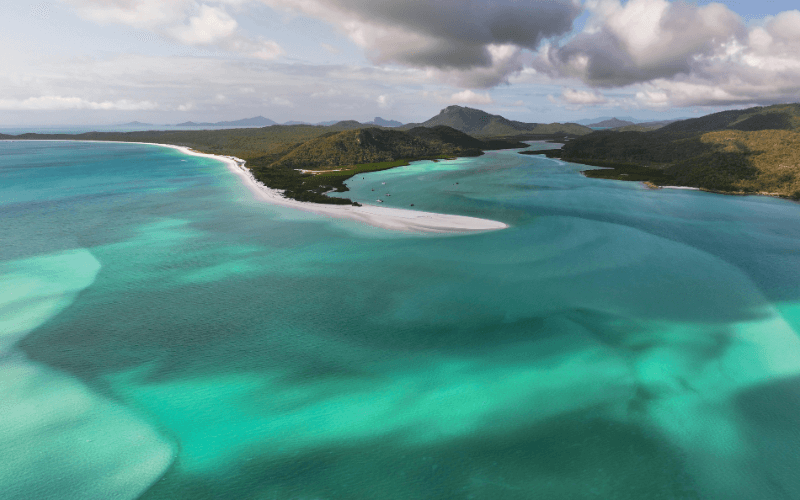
column 614, row 342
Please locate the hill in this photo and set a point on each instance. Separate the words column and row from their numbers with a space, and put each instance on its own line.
column 482, row 124
column 778, row 117
column 612, row 123
column 256, row 121
column 334, row 157
column 644, row 126
column 386, row 123
column 756, row 150
column 374, row 145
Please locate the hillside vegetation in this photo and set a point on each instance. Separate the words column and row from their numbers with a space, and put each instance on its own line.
column 246, row 143
column 337, row 156
column 478, row 123
column 756, row 150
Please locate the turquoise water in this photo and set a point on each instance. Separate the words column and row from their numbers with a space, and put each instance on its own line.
column 164, row 336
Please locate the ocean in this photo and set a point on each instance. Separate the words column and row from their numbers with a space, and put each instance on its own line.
column 165, row 336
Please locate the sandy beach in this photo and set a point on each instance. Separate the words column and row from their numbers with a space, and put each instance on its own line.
column 388, row 218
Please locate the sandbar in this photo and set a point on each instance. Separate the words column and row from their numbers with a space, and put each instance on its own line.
column 397, row 219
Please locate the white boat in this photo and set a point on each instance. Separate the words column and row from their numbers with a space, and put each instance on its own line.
column 379, row 201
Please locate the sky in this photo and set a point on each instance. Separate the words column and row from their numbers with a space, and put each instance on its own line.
column 169, row 61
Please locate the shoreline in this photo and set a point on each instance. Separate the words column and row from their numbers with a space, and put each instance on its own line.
column 396, row 219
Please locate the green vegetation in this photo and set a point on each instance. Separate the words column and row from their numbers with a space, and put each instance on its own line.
column 336, row 156
column 278, row 154
column 744, row 151
column 478, row 123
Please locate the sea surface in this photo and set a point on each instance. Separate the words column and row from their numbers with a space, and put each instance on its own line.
column 165, row 336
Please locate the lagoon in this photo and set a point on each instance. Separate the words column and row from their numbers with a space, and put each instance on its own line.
column 168, row 336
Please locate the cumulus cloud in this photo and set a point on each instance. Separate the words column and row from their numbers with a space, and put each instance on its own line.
column 643, row 40
column 472, row 44
column 681, row 54
column 184, row 21
column 582, row 97
column 56, row 103
column 470, row 97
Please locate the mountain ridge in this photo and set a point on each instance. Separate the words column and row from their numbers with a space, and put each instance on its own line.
column 479, row 123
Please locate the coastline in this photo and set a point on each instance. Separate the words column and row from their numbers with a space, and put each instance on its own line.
column 396, row 219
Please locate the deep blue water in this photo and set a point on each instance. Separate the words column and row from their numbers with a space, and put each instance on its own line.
column 165, row 336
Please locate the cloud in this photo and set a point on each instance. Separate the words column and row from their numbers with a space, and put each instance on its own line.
column 184, row 21
column 680, row 54
column 56, row 103
column 471, row 44
column 643, row 40
column 470, row 97
column 280, row 101
column 384, row 101
column 582, row 97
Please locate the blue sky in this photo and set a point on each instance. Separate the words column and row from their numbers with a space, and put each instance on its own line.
column 168, row 61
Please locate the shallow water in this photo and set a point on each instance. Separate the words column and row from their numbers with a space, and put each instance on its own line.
column 615, row 342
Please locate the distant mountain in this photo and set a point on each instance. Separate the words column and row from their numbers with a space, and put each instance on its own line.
column 612, row 123
column 644, row 126
column 482, row 124
column 293, row 122
column 378, row 121
column 256, row 121
column 347, row 124
column 588, row 121
column 194, row 124
column 386, row 123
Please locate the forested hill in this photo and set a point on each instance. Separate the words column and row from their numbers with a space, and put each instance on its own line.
column 778, row 117
column 755, row 150
column 371, row 145
column 482, row 124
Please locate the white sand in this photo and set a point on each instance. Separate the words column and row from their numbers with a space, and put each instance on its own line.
column 388, row 218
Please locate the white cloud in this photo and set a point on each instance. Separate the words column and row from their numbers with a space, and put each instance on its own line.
column 642, row 40
column 470, row 97
column 56, row 103
column 582, row 97
column 280, row 101
column 184, row 21
column 208, row 27
column 682, row 54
